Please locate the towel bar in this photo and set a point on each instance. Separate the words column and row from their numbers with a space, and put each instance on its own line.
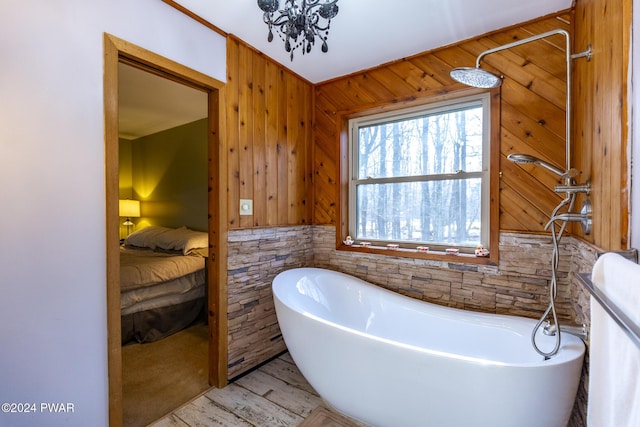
column 631, row 329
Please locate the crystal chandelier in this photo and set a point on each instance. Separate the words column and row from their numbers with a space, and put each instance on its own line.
column 299, row 24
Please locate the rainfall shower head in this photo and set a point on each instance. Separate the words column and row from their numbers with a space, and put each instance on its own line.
column 528, row 159
column 475, row 77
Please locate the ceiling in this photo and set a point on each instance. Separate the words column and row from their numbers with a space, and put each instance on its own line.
column 149, row 104
column 367, row 33
column 364, row 34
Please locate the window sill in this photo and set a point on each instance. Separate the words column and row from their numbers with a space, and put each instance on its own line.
column 412, row 253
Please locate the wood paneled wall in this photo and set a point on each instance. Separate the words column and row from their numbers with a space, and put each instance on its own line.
column 272, row 152
column 268, row 135
column 533, row 115
column 601, row 116
column 532, row 108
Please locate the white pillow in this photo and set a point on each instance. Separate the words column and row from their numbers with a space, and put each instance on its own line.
column 182, row 239
column 145, row 237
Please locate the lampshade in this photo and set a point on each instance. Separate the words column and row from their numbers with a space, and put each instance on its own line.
column 129, row 208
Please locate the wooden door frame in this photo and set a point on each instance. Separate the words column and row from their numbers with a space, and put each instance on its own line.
column 117, row 50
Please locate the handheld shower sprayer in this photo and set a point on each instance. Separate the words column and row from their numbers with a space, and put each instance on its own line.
column 528, row 159
column 571, row 189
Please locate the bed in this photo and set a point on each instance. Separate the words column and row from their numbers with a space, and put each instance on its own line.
column 162, row 282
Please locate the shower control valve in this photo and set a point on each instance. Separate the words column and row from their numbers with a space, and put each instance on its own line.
column 573, row 188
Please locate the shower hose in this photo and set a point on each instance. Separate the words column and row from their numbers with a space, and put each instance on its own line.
column 553, row 288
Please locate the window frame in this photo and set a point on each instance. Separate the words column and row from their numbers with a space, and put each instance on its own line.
column 491, row 103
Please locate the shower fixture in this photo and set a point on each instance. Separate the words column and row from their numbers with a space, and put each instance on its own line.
column 528, row 159
column 583, row 217
column 580, row 331
column 477, row 77
column 573, row 188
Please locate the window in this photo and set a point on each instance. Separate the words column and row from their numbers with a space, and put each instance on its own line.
column 420, row 176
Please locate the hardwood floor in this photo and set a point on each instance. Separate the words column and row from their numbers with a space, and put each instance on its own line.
column 275, row 394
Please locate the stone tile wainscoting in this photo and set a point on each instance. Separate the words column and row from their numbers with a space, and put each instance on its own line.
column 518, row 286
column 256, row 256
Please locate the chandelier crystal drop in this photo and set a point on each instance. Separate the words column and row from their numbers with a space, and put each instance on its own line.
column 300, row 22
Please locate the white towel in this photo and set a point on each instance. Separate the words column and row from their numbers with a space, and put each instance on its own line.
column 614, row 371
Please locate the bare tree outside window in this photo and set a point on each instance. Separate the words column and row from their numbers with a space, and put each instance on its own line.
column 418, row 178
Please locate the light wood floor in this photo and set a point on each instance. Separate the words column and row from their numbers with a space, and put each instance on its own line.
column 275, row 394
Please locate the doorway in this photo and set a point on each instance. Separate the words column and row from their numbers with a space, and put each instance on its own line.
column 119, row 51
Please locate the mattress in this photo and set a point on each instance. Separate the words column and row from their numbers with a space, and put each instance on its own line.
column 162, row 282
column 185, row 288
column 151, row 279
column 160, row 293
column 142, row 267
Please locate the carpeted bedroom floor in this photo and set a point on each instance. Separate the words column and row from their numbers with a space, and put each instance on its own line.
column 161, row 376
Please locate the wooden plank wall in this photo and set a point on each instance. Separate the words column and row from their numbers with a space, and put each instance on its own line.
column 532, row 108
column 533, row 115
column 268, row 129
column 600, row 115
column 273, row 154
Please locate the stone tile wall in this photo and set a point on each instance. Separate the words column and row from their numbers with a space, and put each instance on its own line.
column 256, row 256
column 518, row 286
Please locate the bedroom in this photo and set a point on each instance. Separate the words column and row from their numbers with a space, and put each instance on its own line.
column 163, row 167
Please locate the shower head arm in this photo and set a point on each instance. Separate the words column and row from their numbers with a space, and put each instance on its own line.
column 585, row 54
column 521, row 42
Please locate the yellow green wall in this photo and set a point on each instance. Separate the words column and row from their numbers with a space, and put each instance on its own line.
column 167, row 172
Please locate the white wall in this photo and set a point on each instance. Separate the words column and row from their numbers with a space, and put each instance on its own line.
column 53, row 333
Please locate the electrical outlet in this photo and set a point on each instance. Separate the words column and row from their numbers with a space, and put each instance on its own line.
column 246, row 207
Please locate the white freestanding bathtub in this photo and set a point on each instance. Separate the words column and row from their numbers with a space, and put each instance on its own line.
column 393, row 361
